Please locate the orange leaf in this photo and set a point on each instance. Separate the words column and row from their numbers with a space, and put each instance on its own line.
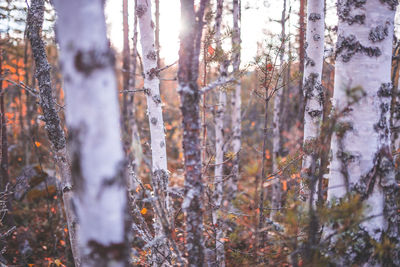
column 143, row 211
column 38, row 144
column 211, row 50
column 284, row 185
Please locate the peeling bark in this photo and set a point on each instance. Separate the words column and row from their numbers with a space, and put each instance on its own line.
column 92, row 114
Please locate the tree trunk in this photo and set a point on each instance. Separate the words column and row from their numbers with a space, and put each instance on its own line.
column 157, row 32
column 154, row 111
column 219, row 151
column 361, row 155
column 190, row 41
column 301, row 58
column 53, row 124
column 231, row 188
column 313, row 92
column 93, row 122
column 126, row 66
column 276, row 142
column 136, row 144
column 4, row 179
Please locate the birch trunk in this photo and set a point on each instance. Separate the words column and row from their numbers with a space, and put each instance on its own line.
column 313, row 93
column 136, row 145
column 362, row 161
column 219, row 151
column 276, row 141
column 188, row 72
column 93, row 121
column 53, row 124
column 231, row 188
column 154, row 111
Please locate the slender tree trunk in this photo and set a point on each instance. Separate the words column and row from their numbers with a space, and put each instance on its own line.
column 190, row 41
column 313, row 92
column 301, row 58
column 4, row 179
column 53, row 124
column 157, row 32
column 395, row 124
column 276, row 142
column 361, row 154
column 236, row 101
column 261, row 235
column 136, row 145
column 126, row 66
column 154, row 111
column 219, row 151
column 93, row 121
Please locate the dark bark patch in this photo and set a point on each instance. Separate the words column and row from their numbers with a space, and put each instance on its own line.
column 345, row 8
column 379, row 33
column 314, row 17
column 312, row 86
column 391, row 3
column 152, row 55
column 153, row 120
column 89, row 61
column 114, row 251
column 141, row 10
column 348, row 46
column 157, row 99
column 385, row 90
column 74, row 141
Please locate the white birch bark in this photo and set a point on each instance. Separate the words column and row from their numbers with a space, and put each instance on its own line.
column 236, row 101
column 276, row 140
column 156, row 121
column 92, row 116
column 313, row 92
column 362, row 161
column 219, row 151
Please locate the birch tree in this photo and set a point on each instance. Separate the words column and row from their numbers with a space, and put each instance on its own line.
column 219, row 149
column 93, row 127
column 312, row 90
column 236, row 102
column 361, row 155
column 51, row 118
column 154, row 111
column 188, row 72
column 276, row 141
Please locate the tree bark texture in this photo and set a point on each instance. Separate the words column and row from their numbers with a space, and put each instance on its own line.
column 190, row 42
column 219, row 151
column 236, row 101
column 313, row 90
column 51, row 118
column 362, row 161
column 92, row 115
